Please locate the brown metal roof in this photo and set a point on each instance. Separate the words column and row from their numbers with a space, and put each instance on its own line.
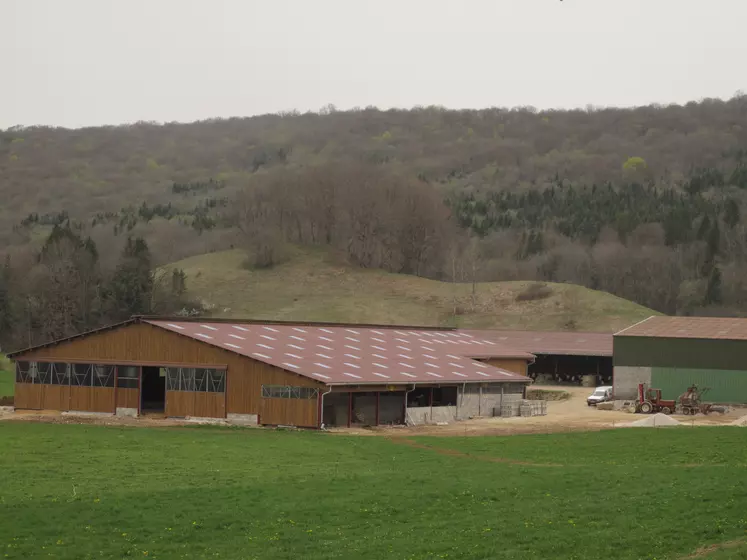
column 353, row 354
column 689, row 327
column 561, row 343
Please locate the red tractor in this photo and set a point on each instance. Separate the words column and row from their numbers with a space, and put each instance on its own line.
column 649, row 400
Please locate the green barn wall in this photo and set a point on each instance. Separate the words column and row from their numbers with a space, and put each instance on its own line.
column 680, row 352
column 727, row 386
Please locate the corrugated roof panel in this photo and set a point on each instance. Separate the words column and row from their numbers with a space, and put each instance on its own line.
column 690, row 327
column 561, row 343
column 352, row 355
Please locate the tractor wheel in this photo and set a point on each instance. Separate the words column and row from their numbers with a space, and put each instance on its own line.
column 666, row 410
column 647, row 407
column 686, row 411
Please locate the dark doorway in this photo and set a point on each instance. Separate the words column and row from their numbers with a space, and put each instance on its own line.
column 153, row 390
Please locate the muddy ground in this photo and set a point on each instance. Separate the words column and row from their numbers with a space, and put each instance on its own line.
column 562, row 416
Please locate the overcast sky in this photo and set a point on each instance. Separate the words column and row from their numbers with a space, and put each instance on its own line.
column 76, row 63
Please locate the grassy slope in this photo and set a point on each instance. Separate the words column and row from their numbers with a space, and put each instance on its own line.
column 112, row 492
column 311, row 286
column 7, row 382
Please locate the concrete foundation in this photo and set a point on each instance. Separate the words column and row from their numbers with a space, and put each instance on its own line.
column 242, row 419
column 199, row 420
column 85, row 413
column 127, row 412
column 626, row 379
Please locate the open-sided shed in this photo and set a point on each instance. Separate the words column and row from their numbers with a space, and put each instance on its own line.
column 271, row 373
column 565, row 357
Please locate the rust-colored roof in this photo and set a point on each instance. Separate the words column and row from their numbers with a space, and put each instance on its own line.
column 356, row 355
column 538, row 342
column 689, row 327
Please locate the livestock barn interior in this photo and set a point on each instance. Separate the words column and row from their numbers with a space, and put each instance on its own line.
column 560, row 357
column 306, row 375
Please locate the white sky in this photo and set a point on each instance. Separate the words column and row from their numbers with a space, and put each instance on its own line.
column 87, row 62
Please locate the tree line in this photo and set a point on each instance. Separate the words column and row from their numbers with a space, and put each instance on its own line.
column 63, row 290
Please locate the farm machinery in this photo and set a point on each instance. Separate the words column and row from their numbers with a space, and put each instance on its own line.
column 649, row 401
column 689, row 403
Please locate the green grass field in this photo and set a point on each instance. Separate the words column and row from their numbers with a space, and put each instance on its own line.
column 75, row 492
column 314, row 286
column 7, row 379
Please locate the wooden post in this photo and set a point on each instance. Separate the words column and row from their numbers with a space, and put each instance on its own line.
column 377, row 407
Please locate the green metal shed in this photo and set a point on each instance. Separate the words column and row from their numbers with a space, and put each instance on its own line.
column 672, row 353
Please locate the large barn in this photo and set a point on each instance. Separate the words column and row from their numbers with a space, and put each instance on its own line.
column 305, row 375
column 561, row 357
column 672, row 353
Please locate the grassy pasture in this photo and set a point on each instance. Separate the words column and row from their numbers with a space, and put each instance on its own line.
column 315, row 285
column 74, row 491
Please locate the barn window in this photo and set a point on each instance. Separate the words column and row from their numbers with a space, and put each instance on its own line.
column 102, row 376
column 201, row 380
column 23, row 372
column 216, row 381
column 127, row 377
column 288, row 392
column 82, row 375
column 60, row 374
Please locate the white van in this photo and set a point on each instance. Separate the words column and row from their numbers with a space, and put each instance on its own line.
column 600, row 394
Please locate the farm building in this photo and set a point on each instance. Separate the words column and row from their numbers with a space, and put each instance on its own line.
column 565, row 357
column 271, row 373
column 672, row 353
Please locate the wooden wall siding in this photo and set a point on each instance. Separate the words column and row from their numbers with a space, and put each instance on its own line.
column 210, row 405
column 42, row 397
column 128, row 398
column 289, row 412
column 515, row 365
column 180, row 403
column 144, row 343
column 199, row 405
column 56, row 397
column 28, row 396
column 92, row 399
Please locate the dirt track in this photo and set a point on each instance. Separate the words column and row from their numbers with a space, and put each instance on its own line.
column 562, row 416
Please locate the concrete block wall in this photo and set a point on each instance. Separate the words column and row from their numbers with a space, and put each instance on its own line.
column 625, row 381
column 417, row 416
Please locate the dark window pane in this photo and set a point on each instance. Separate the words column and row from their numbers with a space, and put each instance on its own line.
column 22, row 372
column 81, row 375
column 216, row 382
column 128, row 377
column 60, row 374
column 201, row 380
column 172, row 379
column 103, row 376
column 44, row 374
column 187, row 379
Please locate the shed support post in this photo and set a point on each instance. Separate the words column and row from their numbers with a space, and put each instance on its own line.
column 430, row 402
column 350, row 408
column 377, row 407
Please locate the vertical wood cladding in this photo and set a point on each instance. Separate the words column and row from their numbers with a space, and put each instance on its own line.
column 515, row 365
column 290, row 412
column 128, row 398
column 141, row 343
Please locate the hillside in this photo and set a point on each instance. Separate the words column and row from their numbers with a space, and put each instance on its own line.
column 314, row 286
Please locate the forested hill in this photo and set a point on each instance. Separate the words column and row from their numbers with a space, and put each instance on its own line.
column 645, row 203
